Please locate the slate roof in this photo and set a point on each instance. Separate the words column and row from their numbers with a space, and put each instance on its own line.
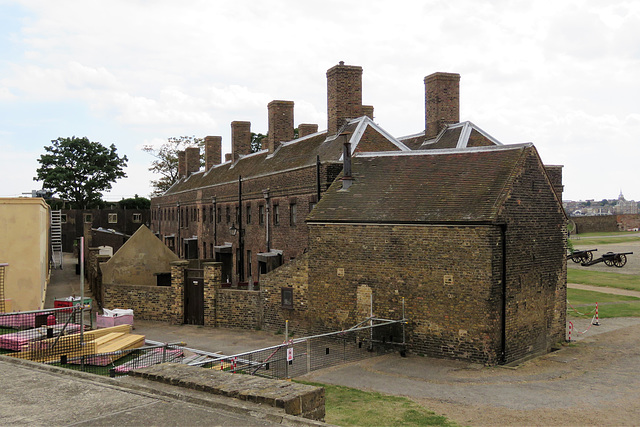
column 289, row 155
column 428, row 186
column 458, row 135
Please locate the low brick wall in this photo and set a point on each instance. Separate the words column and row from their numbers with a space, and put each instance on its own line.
column 238, row 309
column 296, row 399
column 147, row 302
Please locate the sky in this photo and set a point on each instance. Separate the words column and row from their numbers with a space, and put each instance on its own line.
column 564, row 75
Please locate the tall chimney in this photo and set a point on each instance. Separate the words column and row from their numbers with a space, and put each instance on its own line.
column 442, row 102
column 344, row 95
column 212, row 151
column 305, row 129
column 192, row 159
column 182, row 165
column 240, row 139
column 280, row 123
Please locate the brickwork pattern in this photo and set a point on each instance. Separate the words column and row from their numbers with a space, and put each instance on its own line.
column 147, row 302
column 238, row 309
column 280, row 123
column 344, row 95
column 192, row 159
column 240, row 139
column 212, row 279
column 442, row 102
column 212, row 151
column 305, row 129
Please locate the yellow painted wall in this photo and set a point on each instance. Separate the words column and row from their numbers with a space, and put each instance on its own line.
column 24, row 245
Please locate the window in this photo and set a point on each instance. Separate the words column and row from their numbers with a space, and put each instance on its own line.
column 228, row 215
column 211, row 218
column 88, row 218
column 249, row 264
column 219, row 215
column 276, row 214
column 63, row 218
column 204, row 214
column 261, row 214
column 286, row 297
column 137, row 217
column 248, row 214
column 293, row 214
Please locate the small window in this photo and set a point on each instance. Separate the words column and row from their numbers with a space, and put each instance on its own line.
column 248, row 214
column 113, row 218
column 261, row 214
column 286, row 295
column 293, row 214
column 204, row 214
column 211, row 213
column 137, row 217
column 228, row 215
column 276, row 214
column 63, row 218
column 88, row 218
column 219, row 215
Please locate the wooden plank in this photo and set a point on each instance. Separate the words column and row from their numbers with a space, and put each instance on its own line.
column 109, row 337
column 125, row 342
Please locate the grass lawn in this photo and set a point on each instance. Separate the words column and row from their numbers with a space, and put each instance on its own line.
column 601, row 278
column 609, row 305
column 583, row 242
column 605, row 233
column 347, row 406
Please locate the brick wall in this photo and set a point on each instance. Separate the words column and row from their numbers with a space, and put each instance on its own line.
column 442, row 101
column 280, row 123
column 590, row 224
column 147, row 302
column 238, row 309
column 344, row 95
column 535, row 263
column 293, row 275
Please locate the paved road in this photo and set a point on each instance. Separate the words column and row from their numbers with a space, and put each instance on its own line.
column 37, row 395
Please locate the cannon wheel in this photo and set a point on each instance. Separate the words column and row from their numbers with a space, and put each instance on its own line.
column 609, row 262
column 576, row 258
column 587, row 257
column 620, row 260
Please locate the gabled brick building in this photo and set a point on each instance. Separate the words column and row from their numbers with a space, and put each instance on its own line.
column 473, row 240
column 469, row 231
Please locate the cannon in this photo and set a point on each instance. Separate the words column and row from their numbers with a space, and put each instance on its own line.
column 618, row 259
column 581, row 257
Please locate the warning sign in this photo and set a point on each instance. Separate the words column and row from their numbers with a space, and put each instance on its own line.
column 289, row 354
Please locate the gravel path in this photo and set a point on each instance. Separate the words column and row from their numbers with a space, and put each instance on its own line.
column 604, row 290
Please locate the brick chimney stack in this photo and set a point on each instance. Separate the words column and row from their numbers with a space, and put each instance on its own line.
column 367, row 110
column 305, row 129
column 344, row 95
column 192, row 159
column 212, row 151
column 280, row 123
column 182, row 165
column 240, row 139
column 442, row 102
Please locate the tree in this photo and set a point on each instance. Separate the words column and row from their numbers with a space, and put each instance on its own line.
column 166, row 162
column 256, row 141
column 79, row 170
column 135, row 203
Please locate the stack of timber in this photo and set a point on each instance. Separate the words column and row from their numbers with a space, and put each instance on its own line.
column 101, row 346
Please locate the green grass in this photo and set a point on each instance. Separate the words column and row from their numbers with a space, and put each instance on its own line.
column 347, row 406
column 601, row 278
column 609, row 305
column 592, row 242
column 616, row 234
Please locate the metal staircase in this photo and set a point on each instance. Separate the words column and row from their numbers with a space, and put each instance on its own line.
column 56, row 239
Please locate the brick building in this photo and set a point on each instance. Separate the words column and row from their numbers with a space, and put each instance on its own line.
column 473, row 240
column 469, row 231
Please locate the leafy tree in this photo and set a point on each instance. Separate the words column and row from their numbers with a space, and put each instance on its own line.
column 79, row 170
column 256, row 141
column 135, row 203
column 166, row 162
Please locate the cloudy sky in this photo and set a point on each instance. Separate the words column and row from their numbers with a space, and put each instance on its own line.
column 564, row 75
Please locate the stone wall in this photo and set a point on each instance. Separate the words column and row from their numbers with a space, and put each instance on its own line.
column 238, row 309
column 605, row 223
column 147, row 302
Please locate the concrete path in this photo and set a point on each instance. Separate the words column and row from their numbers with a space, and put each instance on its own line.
column 604, row 290
column 39, row 395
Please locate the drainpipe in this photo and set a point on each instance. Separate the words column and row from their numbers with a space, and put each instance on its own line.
column 503, row 326
column 178, row 244
column 318, row 177
column 215, row 222
column 240, row 231
column 265, row 193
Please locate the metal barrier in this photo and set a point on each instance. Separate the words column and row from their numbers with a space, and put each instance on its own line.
column 299, row 356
